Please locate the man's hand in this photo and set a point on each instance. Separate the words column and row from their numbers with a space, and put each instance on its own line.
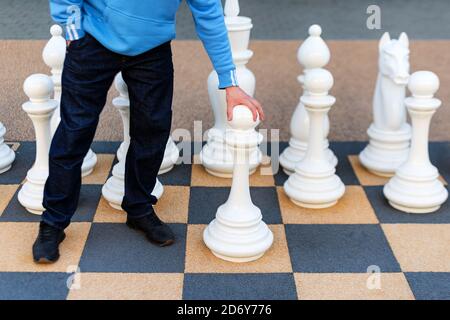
column 236, row 96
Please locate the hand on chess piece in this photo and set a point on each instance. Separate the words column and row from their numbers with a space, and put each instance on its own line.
column 236, row 96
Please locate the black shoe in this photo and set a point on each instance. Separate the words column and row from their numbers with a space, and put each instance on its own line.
column 156, row 231
column 46, row 246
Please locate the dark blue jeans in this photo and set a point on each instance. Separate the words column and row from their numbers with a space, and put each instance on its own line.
column 89, row 71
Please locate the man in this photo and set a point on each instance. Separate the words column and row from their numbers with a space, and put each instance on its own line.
column 131, row 36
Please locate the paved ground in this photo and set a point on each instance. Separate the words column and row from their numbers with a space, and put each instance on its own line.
column 323, row 254
column 283, row 19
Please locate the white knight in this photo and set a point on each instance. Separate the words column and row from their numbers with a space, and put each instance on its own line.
column 389, row 134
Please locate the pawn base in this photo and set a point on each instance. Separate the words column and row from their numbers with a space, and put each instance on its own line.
column 414, row 210
column 237, row 260
column 314, row 205
column 415, row 195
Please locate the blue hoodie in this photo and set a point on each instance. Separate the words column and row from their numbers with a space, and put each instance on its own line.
column 131, row 27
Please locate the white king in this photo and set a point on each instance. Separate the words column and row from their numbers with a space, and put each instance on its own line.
column 416, row 187
column 215, row 155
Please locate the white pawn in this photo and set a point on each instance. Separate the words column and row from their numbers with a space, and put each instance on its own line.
column 389, row 134
column 314, row 183
column 54, row 55
column 40, row 108
column 238, row 233
column 313, row 53
column 415, row 187
column 215, row 155
column 7, row 155
column 114, row 188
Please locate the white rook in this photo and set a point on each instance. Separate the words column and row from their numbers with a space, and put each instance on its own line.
column 314, row 183
column 416, row 187
column 54, row 55
column 313, row 53
column 389, row 133
column 40, row 108
column 114, row 188
column 215, row 155
column 238, row 233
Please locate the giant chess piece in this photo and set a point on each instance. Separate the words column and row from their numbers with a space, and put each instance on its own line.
column 54, row 55
column 313, row 53
column 416, row 187
column 238, row 233
column 40, row 108
column 215, row 155
column 389, row 134
column 122, row 103
column 7, row 155
column 114, row 188
column 314, row 183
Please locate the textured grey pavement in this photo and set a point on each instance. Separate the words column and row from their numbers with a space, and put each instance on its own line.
column 273, row 19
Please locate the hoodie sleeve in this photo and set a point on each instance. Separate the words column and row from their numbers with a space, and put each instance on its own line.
column 211, row 29
column 68, row 14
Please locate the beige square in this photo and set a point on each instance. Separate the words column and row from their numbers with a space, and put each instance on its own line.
column 128, row 286
column 199, row 258
column 365, row 177
column 352, row 286
column 420, row 247
column 7, row 191
column 263, row 177
column 14, row 145
column 17, row 238
column 101, row 170
column 352, row 208
column 172, row 207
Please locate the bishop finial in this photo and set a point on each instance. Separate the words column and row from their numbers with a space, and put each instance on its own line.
column 231, row 8
column 314, row 52
column 55, row 50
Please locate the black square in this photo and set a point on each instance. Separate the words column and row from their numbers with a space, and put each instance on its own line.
column 113, row 247
column 254, row 286
column 89, row 197
column 339, row 248
column 204, row 201
column 429, row 285
column 25, row 156
column 180, row 175
column 387, row 214
column 33, row 285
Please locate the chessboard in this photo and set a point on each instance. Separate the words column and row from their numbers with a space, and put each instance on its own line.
column 359, row 249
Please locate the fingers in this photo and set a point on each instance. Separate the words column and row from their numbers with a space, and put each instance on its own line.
column 258, row 106
column 230, row 112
